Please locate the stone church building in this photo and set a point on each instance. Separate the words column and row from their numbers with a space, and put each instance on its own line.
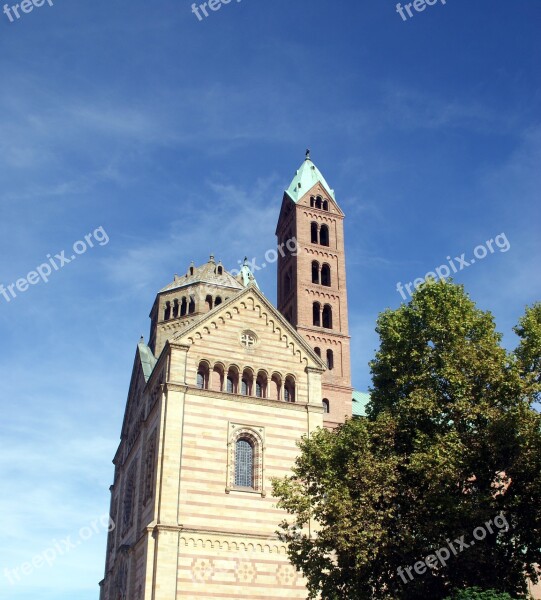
column 217, row 401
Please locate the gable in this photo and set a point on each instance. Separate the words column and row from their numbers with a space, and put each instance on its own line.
column 222, row 330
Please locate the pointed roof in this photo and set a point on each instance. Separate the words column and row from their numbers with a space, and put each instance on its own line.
column 307, row 176
column 246, row 274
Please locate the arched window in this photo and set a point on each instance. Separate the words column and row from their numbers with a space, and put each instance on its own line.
column 312, row 201
column 220, row 270
column 230, row 385
column 317, row 351
column 324, row 235
column 318, row 202
column 326, row 275
column 313, row 233
column 246, row 383
column 191, row 307
column 218, row 378
column 326, row 406
column 315, row 271
column 289, row 389
column 175, row 309
column 218, row 301
column 276, row 386
column 183, row 307
column 327, row 317
column 316, row 314
column 167, row 311
column 325, row 205
column 203, row 376
column 330, row 359
column 261, row 385
column 244, row 463
column 208, row 302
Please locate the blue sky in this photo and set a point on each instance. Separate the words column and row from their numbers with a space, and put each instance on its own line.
column 178, row 137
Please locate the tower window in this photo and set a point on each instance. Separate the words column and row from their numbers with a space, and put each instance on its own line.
column 327, row 317
column 313, row 233
column 316, row 314
column 220, row 270
column 318, row 202
column 244, row 387
column 244, row 463
column 191, row 307
column 230, row 385
column 175, row 309
column 287, row 283
column 315, row 271
column 326, row 275
column 183, row 307
column 208, row 302
column 324, row 235
column 167, row 311
column 330, row 359
column 325, row 205
column 326, row 406
column 318, row 351
column 218, row 301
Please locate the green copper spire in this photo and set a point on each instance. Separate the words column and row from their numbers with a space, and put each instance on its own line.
column 305, row 178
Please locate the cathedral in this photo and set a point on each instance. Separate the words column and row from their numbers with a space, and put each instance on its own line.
column 218, row 398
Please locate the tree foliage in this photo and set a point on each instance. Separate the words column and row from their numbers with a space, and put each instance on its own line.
column 450, row 443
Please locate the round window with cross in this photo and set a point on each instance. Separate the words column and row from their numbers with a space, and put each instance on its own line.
column 248, row 340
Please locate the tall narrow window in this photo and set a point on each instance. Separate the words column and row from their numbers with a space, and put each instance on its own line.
column 208, row 302
column 315, row 271
column 330, row 359
column 317, row 351
column 289, row 390
column 200, row 380
column 326, row 406
column 325, row 205
column 326, row 275
column 203, row 376
column 316, row 314
column 175, row 309
column 287, row 283
column 318, row 202
column 167, row 312
column 327, row 317
column 276, row 386
column 230, row 385
column 183, row 307
column 313, row 233
column 261, row 385
column 244, row 387
column 191, row 307
column 324, row 235
column 244, row 463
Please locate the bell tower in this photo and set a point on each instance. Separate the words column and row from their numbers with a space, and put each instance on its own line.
column 312, row 292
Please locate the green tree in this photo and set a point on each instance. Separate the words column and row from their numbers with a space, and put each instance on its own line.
column 477, row 594
column 528, row 352
column 450, row 443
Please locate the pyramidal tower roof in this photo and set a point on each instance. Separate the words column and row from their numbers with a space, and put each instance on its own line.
column 305, row 178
